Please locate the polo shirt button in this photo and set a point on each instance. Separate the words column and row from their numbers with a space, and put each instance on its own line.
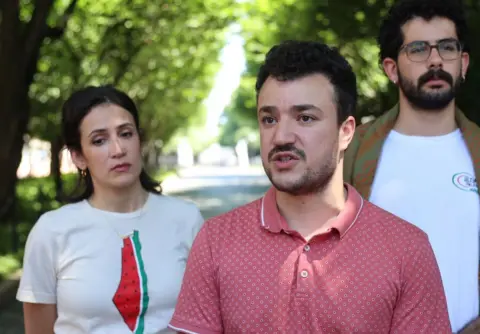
column 306, row 248
column 304, row 274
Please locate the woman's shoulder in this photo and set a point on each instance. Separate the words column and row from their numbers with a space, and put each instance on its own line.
column 176, row 210
column 57, row 219
column 65, row 210
column 180, row 215
column 172, row 203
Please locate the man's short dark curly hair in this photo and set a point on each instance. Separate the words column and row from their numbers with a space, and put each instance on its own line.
column 292, row 60
column 391, row 38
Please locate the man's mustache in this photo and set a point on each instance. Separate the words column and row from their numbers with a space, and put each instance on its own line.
column 286, row 148
column 437, row 74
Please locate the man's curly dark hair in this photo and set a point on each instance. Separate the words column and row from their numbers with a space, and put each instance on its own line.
column 292, row 60
column 391, row 38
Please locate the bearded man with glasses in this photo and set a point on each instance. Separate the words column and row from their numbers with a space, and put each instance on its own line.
column 421, row 159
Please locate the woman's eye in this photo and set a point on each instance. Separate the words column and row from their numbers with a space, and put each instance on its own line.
column 127, row 134
column 98, row 141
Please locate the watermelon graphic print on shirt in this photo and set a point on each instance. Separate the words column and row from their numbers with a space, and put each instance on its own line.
column 131, row 297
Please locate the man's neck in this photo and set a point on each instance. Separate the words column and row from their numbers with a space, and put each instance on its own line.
column 309, row 214
column 416, row 122
column 115, row 200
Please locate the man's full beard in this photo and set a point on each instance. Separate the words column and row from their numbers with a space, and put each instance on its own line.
column 429, row 100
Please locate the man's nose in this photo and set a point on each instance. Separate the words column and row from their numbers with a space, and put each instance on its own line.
column 284, row 134
column 435, row 60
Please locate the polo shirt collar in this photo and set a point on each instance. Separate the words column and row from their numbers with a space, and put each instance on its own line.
column 273, row 221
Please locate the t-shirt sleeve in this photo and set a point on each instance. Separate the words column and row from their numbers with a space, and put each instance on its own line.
column 39, row 280
column 198, row 306
column 422, row 306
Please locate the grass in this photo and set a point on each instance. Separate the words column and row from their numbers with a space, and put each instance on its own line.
column 35, row 197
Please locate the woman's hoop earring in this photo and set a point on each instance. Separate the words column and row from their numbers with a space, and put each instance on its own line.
column 83, row 173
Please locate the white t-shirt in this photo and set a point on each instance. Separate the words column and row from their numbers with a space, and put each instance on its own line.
column 430, row 182
column 75, row 257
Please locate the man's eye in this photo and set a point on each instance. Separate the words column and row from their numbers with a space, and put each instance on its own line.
column 306, row 119
column 418, row 48
column 268, row 120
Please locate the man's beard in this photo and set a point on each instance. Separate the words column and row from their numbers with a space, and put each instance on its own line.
column 312, row 181
column 432, row 100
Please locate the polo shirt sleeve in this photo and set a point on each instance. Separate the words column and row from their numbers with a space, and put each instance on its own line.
column 39, row 279
column 198, row 305
column 422, row 306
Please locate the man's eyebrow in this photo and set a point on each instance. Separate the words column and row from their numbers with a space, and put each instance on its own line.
column 267, row 109
column 303, row 107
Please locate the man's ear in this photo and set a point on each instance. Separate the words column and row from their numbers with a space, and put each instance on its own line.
column 346, row 132
column 391, row 69
column 465, row 64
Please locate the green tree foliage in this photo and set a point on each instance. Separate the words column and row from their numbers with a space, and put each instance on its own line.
column 164, row 55
column 350, row 25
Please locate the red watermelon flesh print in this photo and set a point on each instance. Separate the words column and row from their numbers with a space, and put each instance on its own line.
column 131, row 297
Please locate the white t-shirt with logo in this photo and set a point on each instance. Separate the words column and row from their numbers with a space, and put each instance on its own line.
column 430, row 182
column 110, row 272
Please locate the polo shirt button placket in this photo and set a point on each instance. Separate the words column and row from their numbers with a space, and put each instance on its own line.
column 304, row 273
column 306, row 248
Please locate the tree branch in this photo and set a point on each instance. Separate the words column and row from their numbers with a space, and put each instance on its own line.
column 57, row 31
column 35, row 29
column 124, row 64
column 69, row 48
column 36, row 32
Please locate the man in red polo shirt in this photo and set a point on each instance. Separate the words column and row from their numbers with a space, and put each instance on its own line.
column 311, row 256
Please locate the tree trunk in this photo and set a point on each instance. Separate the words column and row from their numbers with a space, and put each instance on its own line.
column 13, row 103
column 19, row 53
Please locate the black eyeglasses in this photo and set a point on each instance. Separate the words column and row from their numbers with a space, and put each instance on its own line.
column 419, row 51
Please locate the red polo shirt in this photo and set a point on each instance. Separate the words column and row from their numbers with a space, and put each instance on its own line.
column 370, row 272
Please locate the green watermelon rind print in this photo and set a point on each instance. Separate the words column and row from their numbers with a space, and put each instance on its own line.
column 140, row 327
column 132, row 308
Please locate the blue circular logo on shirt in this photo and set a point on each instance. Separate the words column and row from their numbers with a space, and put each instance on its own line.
column 465, row 181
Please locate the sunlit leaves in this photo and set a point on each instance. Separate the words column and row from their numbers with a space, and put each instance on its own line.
column 26, row 9
column 349, row 25
column 164, row 55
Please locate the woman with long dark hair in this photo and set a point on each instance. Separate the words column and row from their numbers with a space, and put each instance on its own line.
column 111, row 261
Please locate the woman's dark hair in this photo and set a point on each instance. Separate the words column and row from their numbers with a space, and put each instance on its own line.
column 74, row 110
column 390, row 37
